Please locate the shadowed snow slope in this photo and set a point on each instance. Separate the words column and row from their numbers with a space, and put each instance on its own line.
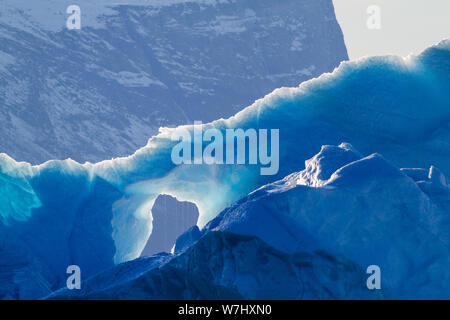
column 66, row 212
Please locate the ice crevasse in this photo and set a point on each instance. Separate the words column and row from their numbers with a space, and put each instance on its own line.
column 97, row 215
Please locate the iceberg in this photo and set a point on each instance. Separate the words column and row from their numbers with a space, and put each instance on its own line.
column 228, row 266
column 311, row 235
column 136, row 65
column 363, row 208
column 97, row 215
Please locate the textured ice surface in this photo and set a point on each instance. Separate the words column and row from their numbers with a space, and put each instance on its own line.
column 310, row 235
column 229, row 266
column 363, row 208
column 102, row 91
column 396, row 106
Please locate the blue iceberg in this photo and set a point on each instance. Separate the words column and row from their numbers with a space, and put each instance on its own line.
column 311, row 235
column 97, row 215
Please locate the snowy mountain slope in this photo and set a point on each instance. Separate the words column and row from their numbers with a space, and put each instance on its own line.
column 102, row 91
column 98, row 215
column 229, row 266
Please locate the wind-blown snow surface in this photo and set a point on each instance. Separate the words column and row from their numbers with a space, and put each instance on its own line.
column 65, row 212
column 102, row 91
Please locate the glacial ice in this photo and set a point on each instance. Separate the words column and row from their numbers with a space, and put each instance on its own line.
column 363, row 208
column 229, row 266
column 310, row 235
column 98, row 215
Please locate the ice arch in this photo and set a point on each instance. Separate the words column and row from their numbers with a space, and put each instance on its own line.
column 399, row 107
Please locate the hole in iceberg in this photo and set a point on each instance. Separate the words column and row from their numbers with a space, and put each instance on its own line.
column 171, row 218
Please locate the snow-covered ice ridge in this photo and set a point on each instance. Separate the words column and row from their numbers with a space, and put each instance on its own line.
column 396, row 106
column 102, row 91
